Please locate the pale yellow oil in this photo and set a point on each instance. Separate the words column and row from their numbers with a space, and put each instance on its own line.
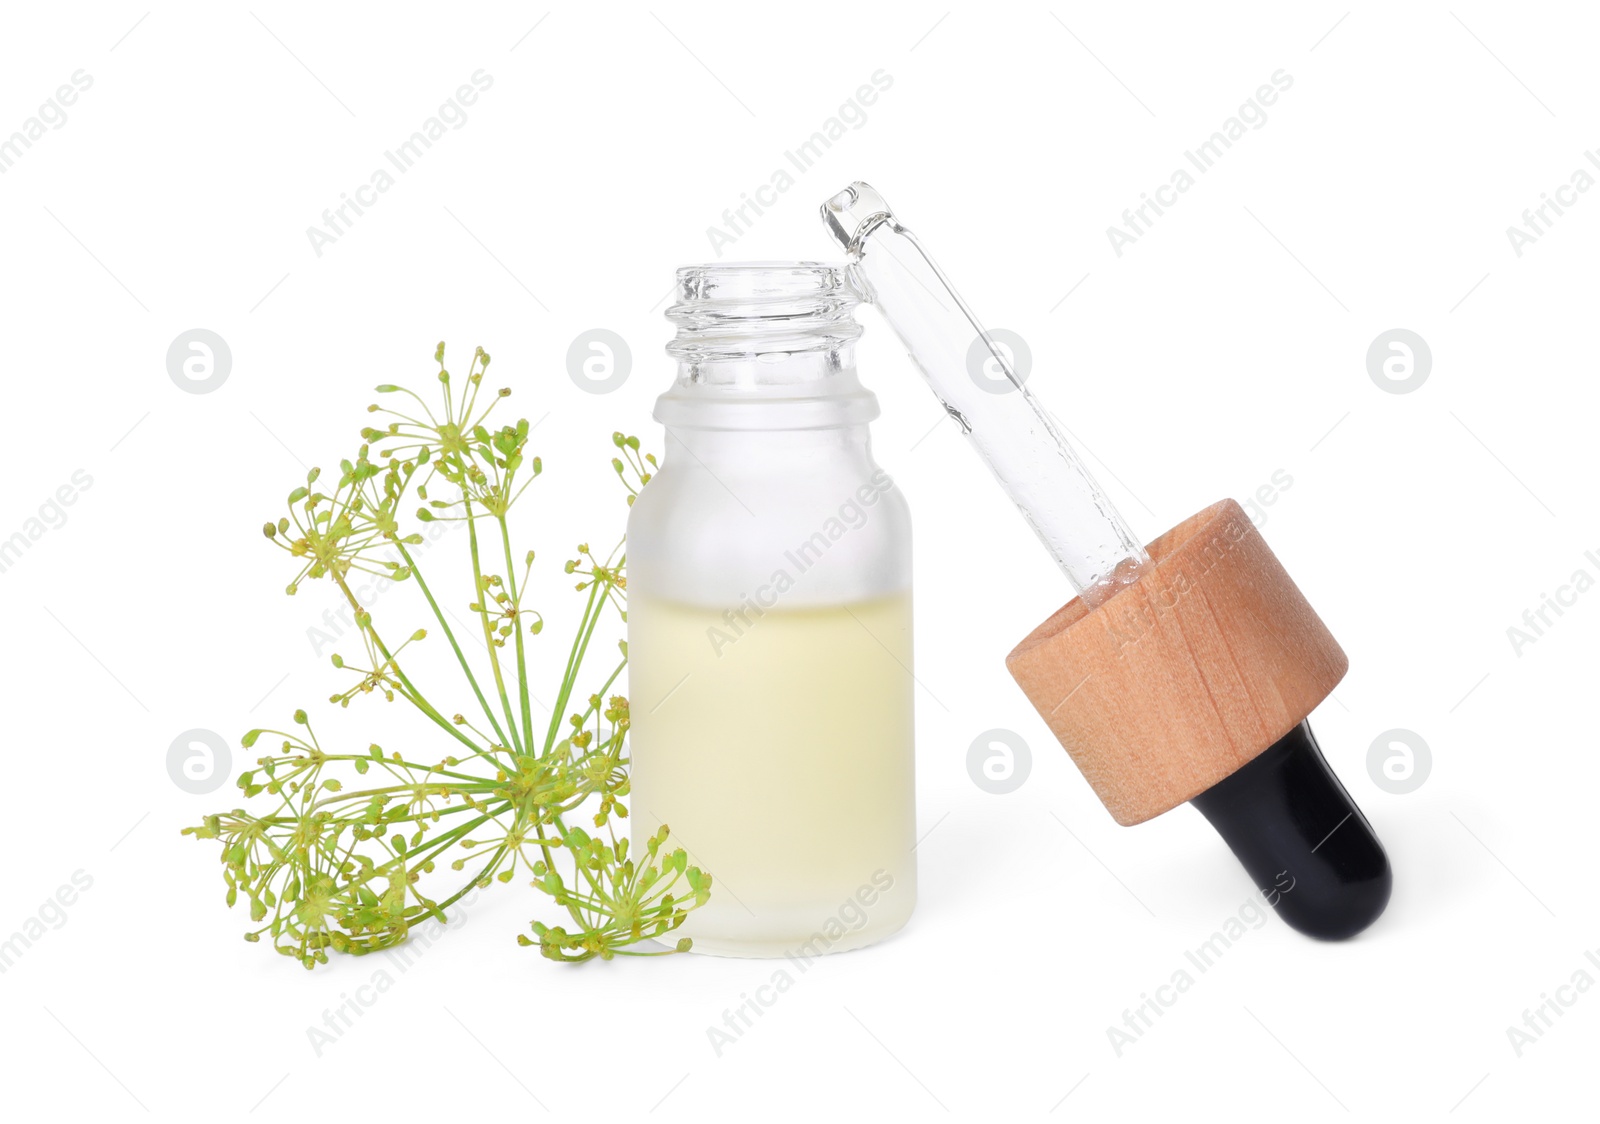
column 778, row 748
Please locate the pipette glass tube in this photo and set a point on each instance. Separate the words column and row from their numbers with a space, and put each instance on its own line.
column 1020, row 442
column 1307, row 846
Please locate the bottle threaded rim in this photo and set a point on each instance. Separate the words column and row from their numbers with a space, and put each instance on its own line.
column 741, row 310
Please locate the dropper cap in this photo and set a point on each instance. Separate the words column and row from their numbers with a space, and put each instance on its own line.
column 1183, row 671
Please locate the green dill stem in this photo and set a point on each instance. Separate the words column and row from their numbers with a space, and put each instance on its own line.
column 455, row 647
column 432, row 847
column 595, row 707
column 481, row 592
column 586, row 626
column 415, row 698
column 580, row 644
column 411, row 693
column 390, row 765
column 591, row 618
column 516, row 628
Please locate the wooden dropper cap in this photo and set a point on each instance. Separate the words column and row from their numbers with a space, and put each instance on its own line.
column 1192, row 681
column 1204, row 662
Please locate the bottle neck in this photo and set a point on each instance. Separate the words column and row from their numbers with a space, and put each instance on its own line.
column 765, row 347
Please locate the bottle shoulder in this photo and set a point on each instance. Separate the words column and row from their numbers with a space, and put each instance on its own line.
column 699, row 537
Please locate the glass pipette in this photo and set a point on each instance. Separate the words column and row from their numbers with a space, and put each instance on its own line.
column 1019, row 441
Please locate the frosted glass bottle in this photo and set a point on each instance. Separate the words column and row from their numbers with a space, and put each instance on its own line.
column 769, row 622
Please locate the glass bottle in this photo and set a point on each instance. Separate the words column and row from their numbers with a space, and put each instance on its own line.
column 769, row 622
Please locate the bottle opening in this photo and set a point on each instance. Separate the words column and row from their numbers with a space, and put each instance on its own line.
column 765, row 344
column 749, row 309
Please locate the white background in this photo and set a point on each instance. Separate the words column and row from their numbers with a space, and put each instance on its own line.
column 1226, row 344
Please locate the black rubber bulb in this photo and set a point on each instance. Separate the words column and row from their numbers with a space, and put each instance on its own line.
column 1304, row 841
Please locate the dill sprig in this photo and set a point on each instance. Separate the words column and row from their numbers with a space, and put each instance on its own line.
column 346, row 851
